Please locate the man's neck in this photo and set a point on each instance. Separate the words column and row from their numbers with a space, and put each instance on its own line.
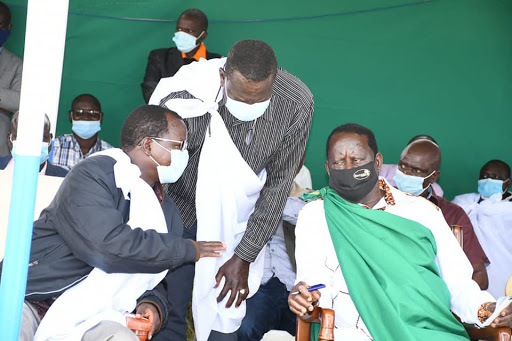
column 372, row 198
column 86, row 144
column 191, row 54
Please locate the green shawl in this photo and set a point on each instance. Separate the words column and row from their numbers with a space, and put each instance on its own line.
column 389, row 266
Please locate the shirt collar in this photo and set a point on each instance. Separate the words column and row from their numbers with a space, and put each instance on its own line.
column 387, row 199
column 200, row 53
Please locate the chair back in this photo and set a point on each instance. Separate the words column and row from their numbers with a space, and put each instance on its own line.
column 457, row 232
column 323, row 316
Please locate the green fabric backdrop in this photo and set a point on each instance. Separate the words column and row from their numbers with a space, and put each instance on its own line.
column 402, row 68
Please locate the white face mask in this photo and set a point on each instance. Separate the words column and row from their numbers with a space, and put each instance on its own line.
column 246, row 112
column 170, row 174
column 185, row 42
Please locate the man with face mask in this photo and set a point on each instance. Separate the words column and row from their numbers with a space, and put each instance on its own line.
column 248, row 123
column 191, row 31
column 490, row 211
column 86, row 118
column 110, row 236
column 391, row 266
column 46, row 168
column 417, row 171
column 11, row 68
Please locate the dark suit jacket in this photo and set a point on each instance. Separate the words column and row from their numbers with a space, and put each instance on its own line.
column 51, row 169
column 164, row 63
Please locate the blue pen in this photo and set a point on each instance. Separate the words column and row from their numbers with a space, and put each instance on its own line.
column 311, row 288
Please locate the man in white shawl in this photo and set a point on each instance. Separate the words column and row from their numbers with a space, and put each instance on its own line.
column 109, row 237
column 490, row 211
column 248, row 123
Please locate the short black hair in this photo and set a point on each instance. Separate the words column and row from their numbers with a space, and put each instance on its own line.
column 144, row 121
column 254, row 59
column 500, row 164
column 5, row 9
column 422, row 137
column 199, row 15
column 357, row 129
column 85, row 97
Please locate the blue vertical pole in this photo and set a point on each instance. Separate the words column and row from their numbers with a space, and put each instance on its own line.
column 40, row 89
column 17, row 248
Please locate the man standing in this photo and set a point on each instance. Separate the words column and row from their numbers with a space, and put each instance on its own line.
column 391, row 266
column 86, row 117
column 418, row 170
column 46, row 168
column 191, row 31
column 11, row 68
column 248, row 122
column 490, row 211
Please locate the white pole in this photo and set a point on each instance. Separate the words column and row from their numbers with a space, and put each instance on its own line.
column 42, row 71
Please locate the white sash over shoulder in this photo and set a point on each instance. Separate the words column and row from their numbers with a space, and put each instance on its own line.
column 227, row 191
column 103, row 296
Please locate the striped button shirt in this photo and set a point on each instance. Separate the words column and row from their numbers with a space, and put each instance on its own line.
column 278, row 141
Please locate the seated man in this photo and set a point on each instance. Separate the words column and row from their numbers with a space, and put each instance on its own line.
column 418, row 169
column 391, row 266
column 388, row 171
column 104, row 240
column 86, row 117
column 46, row 168
column 490, row 211
column 191, row 31
column 11, row 68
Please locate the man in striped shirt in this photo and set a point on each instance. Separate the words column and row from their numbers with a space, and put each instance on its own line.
column 268, row 114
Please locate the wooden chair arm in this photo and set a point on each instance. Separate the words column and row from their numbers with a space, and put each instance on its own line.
column 319, row 315
column 489, row 333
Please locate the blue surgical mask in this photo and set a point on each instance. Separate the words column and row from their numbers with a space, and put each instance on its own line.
column 86, row 129
column 488, row 187
column 44, row 152
column 170, row 174
column 185, row 42
column 4, row 34
column 246, row 112
column 409, row 183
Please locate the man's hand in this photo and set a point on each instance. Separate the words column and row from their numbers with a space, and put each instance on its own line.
column 302, row 303
column 149, row 311
column 209, row 249
column 236, row 273
column 504, row 319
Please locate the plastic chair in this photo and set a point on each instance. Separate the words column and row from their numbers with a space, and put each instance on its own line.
column 323, row 316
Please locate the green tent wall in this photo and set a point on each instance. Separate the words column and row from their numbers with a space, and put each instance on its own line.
column 401, row 68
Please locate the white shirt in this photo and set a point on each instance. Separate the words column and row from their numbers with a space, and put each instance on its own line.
column 317, row 262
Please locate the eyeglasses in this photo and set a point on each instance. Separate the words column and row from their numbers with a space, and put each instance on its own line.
column 93, row 114
column 182, row 144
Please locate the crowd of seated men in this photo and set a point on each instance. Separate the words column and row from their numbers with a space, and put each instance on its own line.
column 128, row 224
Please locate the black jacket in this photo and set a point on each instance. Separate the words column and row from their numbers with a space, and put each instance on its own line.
column 85, row 227
column 164, row 63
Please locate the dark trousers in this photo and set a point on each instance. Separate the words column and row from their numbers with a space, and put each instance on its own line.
column 267, row 310
column 180, row 282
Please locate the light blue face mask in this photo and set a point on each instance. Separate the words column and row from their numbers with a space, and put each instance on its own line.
column 185, row 42
column 246, row 112
column 170, row 174
column 409, row 183
column 488, row 187
column 44, row 152
column 86, row 129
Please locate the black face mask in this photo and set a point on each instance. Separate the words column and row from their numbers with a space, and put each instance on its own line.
column 355, row 183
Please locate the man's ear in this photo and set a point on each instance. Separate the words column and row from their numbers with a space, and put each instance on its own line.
column 435, row 176
column 71, row 116
column 101, row 117
column 203, row 36
column 506, row 184
column 379, row 159
column 327, row 167
column 146, row 144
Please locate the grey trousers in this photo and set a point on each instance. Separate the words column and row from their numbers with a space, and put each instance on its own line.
column 103, row 331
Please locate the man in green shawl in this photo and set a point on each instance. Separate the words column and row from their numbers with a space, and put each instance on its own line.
column 392, row 268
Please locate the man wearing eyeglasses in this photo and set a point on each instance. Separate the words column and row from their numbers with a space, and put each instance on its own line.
column 86, row 117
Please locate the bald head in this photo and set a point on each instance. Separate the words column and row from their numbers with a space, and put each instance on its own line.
column 422, row 155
